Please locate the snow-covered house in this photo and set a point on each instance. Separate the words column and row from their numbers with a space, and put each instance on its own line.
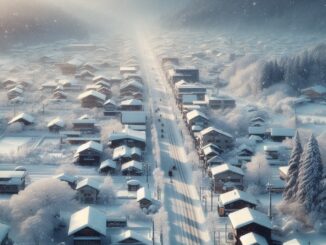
column 218, row 137
column 4, row 235
column 280, row 134
column 129, row 138
column 133, row 185
column 49, row 86
column 132, row 168
column 71, row 180
column 12, row 181
column 220, row 102
column 59, row 95
column 125, row 153
column 108, row 167
column 131, row 86
column 188, row 74
column 317, row 92
column 103, row 84
column 227, row 177
column 101, row 78
column 252, row 238
column 110, row 106
column 133, row 117
column 85, row 75
column 56, row 125
column 89, row 153
column 9, row 83
column 131, row 105
column 128, row 70
column 198, row 118
column 14, row 92
column 104, row 90
column 88, row 67
column 23, row 118
column 84, row 124
column 183, row 90
column 257, row 131
column 248, row 220
column 91, row 99
column 217, row 160
column 245, row 153
column 144, row 197
column 70, row 67
column 87, row 190
column 234, row 200
column 257, row 122
column 131, row 237
column 88, row 226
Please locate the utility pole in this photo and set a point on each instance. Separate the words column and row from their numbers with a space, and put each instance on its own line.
column 153, row 231
column 269, row 187
column 212, row 193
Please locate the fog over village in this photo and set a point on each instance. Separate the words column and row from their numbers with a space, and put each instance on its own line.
column 163, row 122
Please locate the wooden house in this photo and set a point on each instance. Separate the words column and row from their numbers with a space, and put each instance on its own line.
column 131, row 105
column 131, row 86
column 89, row 154
column 101, row 78
column 247, row 220
column 14, row 92
column 108, row 167
column 23, row 118
column 129, row 138
column 125, row 153
column 88, row 226
column 110, row 106
column 56, row 125
column 144, row 197
column 91, row 99
column 104, row 90
column 85, row 75
column 245, row 153
column 59, row 95
column 234, row 200
column 198, row 118
column 227, row 177
column 218, row 137
column 87, row 190
column 133, row 185
column 317, row 92
column 116, row 222
column 11, row 182
column 257, row 131
column 85, row 124
column 70, row 67
column 220, row 102
column 132, row 168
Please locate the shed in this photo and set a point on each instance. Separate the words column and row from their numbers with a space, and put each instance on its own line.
column 108, row 167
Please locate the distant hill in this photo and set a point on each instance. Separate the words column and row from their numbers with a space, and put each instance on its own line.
column 293, row 14
column 30, row 22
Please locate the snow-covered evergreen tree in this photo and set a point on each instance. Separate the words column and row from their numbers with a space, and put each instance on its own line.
column 310, row 175
column 291, row 187
column 321, row 200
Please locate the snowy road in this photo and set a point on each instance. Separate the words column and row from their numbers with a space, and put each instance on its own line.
column 181, row 200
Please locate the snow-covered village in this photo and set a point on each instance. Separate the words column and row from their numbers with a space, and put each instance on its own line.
column 156, row 122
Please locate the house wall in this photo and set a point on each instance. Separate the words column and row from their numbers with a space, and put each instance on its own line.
column 218, row 139
column 258, row 229
column 89, row 157
column 227, row 177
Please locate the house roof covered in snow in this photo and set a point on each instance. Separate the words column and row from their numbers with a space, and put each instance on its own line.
column 88, row 182
column 133, row 117
column 90, row 145
column 195, row 113
column 57, row 121
column 224, row 168
column 92, row 93
column 293, row 242
column 4, row 230
column 252, row 238
column 246, row 216
column 257, row 130
column 12, row 177
column 320, row 89
column 133, row 102
column 284, row 132
column 110, row 101
column 143, row 193
column 125, row 151
column 108, row 163
column 22, row 116
column 128, row 134
column 132, row 164
column 215, row 159
column 131, row 234
column 66, row 177
column 213, row 129
column 236, row 195
column 88, row 217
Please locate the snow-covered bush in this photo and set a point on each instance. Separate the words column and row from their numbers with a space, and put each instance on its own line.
column 132, row 210
column 107, row 191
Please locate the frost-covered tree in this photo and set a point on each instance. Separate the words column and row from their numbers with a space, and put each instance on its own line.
column 321, row 200
column 310, row 175
column 158, row 176
column 107, row 192
column 293, row 172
